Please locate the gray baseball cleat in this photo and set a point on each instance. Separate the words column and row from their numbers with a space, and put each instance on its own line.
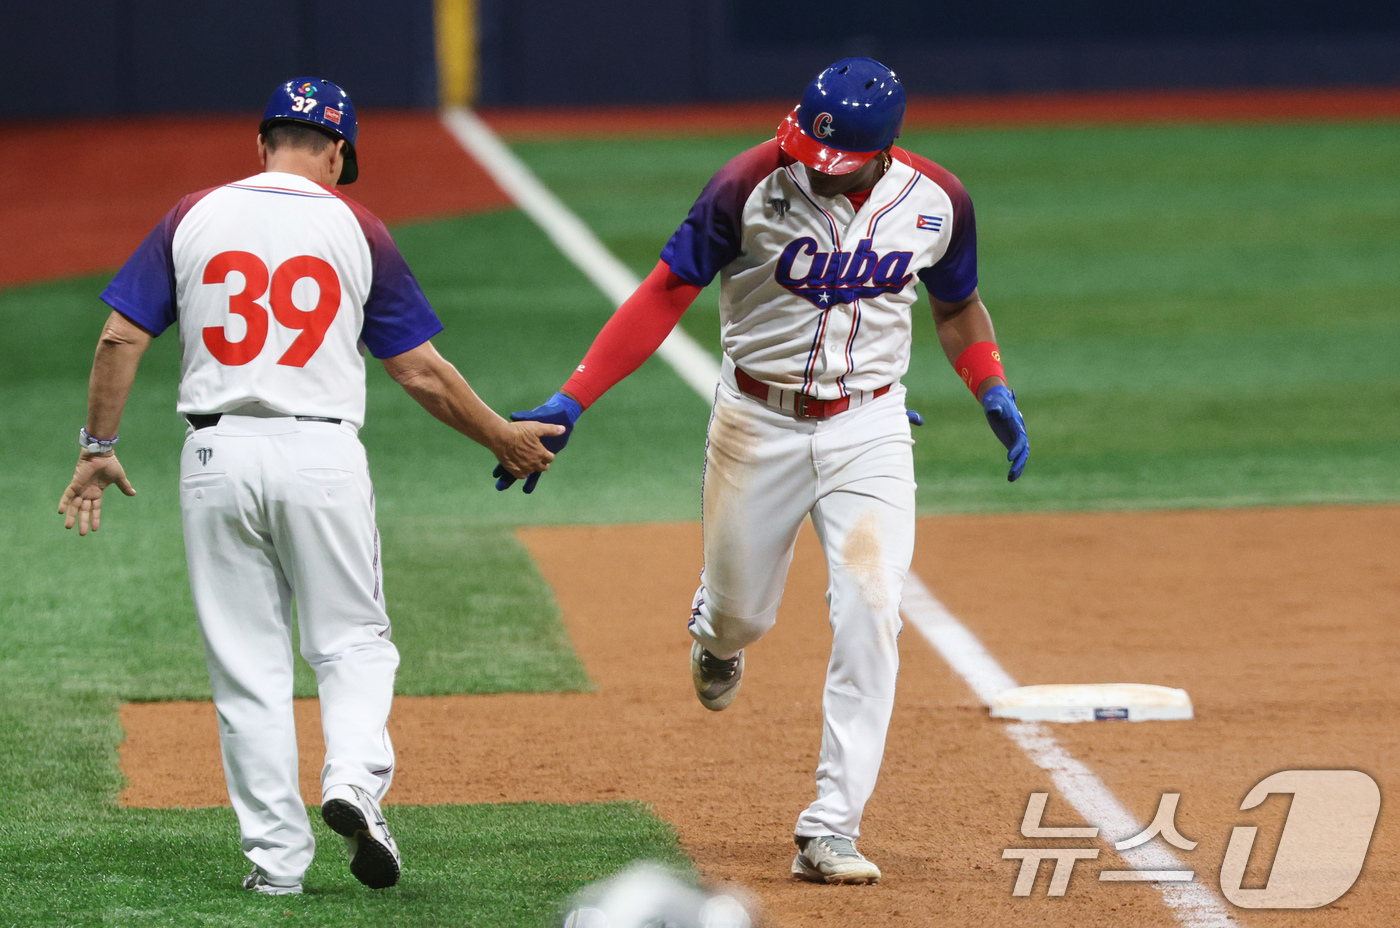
column 716, row 680
column 257, row 882
column 352, row 813
column 832, row 859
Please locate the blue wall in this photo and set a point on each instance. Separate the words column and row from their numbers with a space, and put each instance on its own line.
column 142, row 56
column 613, row 51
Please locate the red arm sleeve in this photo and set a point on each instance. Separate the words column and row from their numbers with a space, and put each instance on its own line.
column 633, row 333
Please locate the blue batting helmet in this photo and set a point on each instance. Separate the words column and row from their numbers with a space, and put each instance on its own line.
column 850, row 111
column 321, row 103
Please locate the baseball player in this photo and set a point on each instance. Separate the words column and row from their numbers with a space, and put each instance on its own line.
column 819, row 236
column 278, row 284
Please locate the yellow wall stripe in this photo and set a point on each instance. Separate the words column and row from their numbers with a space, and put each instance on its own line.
column 456, row 51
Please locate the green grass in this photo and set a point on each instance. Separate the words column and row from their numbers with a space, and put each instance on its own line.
column 483, row 865
column 1192, row 317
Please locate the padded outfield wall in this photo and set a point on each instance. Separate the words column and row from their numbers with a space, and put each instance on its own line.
column 94, row 57
column 143, row 56
column 543, row 52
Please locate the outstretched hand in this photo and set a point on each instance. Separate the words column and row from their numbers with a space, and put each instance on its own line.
column 999, row 404
column 82, row 501
column 554, row 421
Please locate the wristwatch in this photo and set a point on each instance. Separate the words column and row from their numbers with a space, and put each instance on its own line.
column 96, row 445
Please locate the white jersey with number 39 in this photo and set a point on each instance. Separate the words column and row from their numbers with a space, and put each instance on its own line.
column 275, row 282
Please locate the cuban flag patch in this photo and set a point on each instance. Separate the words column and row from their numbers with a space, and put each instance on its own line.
column 930, row 223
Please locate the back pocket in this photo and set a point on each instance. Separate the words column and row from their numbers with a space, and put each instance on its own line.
column 205, row 489
column 326, row 477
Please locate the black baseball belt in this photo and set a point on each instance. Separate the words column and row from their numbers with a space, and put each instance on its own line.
column 206, row 421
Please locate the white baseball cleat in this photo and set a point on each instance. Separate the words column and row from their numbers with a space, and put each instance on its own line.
column 832, row 859
column 257, row 882
column 352, row 813
column 716, row 680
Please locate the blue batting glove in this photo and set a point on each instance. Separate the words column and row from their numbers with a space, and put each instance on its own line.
column 558, row 410
column 999, row 404
column 914, row 417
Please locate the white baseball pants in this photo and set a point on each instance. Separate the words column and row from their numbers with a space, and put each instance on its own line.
column 765, row 471
column 278, row 510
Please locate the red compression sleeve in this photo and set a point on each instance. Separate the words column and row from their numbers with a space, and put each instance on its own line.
column 633, row 333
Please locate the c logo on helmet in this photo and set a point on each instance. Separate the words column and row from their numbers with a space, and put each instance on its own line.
column 821, row 126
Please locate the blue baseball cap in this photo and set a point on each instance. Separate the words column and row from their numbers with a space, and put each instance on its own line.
column 320, row 103
column 848, row 114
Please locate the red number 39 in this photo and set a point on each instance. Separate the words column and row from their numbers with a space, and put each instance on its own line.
column 312, row 324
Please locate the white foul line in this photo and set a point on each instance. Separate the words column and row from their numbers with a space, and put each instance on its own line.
column 1194, row 905
column 694, row 364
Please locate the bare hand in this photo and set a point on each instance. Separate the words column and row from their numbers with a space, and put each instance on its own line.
column 519, row 449
column 82, row 501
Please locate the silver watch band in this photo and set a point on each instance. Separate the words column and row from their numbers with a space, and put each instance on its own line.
column 96, row 445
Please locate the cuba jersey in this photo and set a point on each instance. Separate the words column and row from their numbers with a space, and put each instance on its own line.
column 276, row 282
column 816, row 296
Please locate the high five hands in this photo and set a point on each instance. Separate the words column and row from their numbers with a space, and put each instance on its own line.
column 559, row 410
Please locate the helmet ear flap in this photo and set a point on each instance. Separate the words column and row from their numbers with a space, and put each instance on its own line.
column 350, row 167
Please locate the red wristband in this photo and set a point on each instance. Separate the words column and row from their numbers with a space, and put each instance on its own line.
column 979, row 361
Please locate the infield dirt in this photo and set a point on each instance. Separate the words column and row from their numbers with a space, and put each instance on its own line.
column 1283, row 624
